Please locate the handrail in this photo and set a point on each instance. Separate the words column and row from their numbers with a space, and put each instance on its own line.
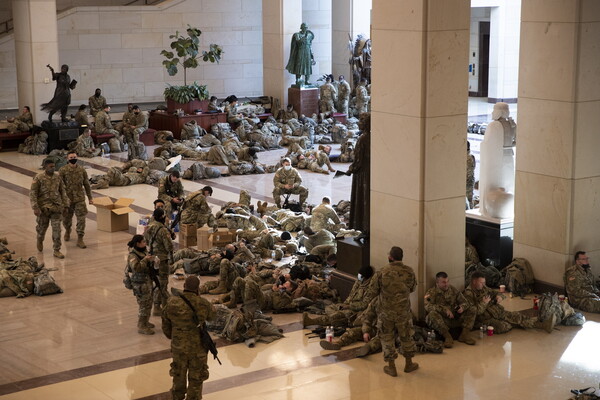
column 6, row 26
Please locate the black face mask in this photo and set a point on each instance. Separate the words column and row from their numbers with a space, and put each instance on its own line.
column 73, row 161
column 229, row 255
column 141, row 249
column 586, row 266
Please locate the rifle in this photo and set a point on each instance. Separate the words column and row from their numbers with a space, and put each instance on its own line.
column 205, row 338
column 153, row 272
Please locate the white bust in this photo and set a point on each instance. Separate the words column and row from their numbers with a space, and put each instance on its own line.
column 497, row 165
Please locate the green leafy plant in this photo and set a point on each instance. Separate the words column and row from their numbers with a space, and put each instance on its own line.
column 186, row 53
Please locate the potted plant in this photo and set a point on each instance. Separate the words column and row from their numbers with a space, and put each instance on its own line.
column 186, row 53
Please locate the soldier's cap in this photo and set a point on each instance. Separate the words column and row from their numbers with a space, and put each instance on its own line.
column 191, row 284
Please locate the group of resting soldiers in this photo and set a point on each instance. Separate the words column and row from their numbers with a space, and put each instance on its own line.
column 335, row 97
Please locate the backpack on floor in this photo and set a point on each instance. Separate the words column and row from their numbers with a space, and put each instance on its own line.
column 518, row 277
column 44, row 284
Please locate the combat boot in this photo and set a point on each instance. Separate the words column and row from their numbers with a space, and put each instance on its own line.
column 364, row 350
column 221, row 289
column 80, row 242
column 58, row 254
column 465, row 338
column 150, row 325
column 390, row 369
column 320, row 320
column 410, row 366
column 232, row 303
column 327, row 345
column 156, row 310
column 547, row 325
column 448, row 340
column 40, row 244
column 143, row 327
column 67, row 235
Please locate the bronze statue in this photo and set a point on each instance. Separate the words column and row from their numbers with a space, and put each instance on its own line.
column 360, row 59
column 62, row 93
column 360, row 198
column 301, row 56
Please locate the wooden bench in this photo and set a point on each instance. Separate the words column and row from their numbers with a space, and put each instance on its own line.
column 101, row 137
column 12, row 140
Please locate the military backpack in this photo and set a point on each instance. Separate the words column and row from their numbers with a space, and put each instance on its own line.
column 518, row 277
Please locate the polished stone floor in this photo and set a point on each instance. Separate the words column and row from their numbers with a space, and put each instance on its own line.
column 83, row 344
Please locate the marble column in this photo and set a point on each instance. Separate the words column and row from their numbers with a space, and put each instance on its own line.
column 348, row 17
column 36, row 45
column 281, row 19
column 557, row 194
column 418, row 155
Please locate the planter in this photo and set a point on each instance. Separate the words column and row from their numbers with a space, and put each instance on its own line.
column 188, row 108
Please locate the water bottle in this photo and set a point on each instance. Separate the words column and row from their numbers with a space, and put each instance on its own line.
column 482, row 330
column 329, row 334
column 430, row 336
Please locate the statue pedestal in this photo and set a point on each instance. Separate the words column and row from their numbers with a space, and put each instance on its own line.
column 304, row 100
column 492, row 237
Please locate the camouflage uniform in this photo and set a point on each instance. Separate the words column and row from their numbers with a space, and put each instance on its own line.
column 96, row 104
column 48, row 195
column 220, row 155
column 167, row 191
column 493, row 314
column 132, row 134
column 160, row 244
column 343, row 96
column 85, row 147
column 393, row 285
column 328, row 95
column 22, row 123
column 189, row 368
column 321, row 244
column 470, row 177
column 581, row 289
column 196, row 210
column 438, row 301
column 81, row 117
column 140, row 269
column 103, row 125
column 127, row 120
column 320, row 161
column 228, row 272
column 362, row 99
column 285, row 115
column 321, row 215
column 77, row 187
column 291, row 177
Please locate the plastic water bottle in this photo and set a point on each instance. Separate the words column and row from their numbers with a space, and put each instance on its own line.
column 482, row 331
column 430, row 336
column 329, row 334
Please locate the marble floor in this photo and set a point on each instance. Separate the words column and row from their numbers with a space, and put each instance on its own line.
column 83, row 343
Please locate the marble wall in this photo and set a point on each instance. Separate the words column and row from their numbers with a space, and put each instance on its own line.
column 317, row 15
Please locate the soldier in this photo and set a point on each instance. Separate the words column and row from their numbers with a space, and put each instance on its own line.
column 189, row 368
column 321, row 243
column 328, row 96
column 133, row 131
column 324, row 216
column 140, row 267
column 320, row 160
column 470, row 175
column 97, row 102
column 362, row 97
column 287, row 180
column 228, row 272
column 343, row 95
column 393, row 285
column 287, row 114
column 579, row 281
column 22, row 123
column 132, row 173
column 81, row 116
column 77, row 186
column 127, row 119
column 170, row 190
column 160, row 245
column 85, row 145
column 490, row 313
column 196, row 210
column 447, row 308
column 213, row 105
column 102, row 123
column 233, row 116
column 49, row 201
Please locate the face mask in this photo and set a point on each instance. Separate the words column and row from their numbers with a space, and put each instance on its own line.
column 73, row 161
column 142, row 249
column 50, row 171
column 360, row 277
column 287, row 167
column 229, row 255
column 586, row 266
column 136, row 113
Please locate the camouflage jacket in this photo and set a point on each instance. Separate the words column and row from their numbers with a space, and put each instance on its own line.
column 167, row 190
column 321, row 237
column 194, row 206
column 139, row 266
column 102, row 122
column 159, row 240
column 439, row 300
column 343, row 90
column 48, row 192
column 580, row 284
column 81, row 117
column 96, row 104
column 140, row 120
column 283, row 177
column 362, row 95
column 360, row 296
column 76, row 183
column 178, row 322
column 128, row 117
column 321, row 215
column 25, row 118
column 85, row 143
column 475, row 297
column 393, row 285
column 470, row 169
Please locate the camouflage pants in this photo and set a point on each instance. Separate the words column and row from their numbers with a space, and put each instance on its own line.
column 117, row 178
column 206, row 286
column 315, row 167
column 80, row 210
column 504, row 323
column 589, row 304
column 43, row 221
column 388, row 330
column 143, row 295
column 189, row 370
column 17, row 126
column 323, row 250
column 161, row 294
column 300, row 190
column 132, row 137
column 252, row 291
column 441, row 323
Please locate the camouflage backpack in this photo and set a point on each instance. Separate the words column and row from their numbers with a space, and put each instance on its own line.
column 491, row 273
column 518, row 277
column 44, row 284
column 550, row 305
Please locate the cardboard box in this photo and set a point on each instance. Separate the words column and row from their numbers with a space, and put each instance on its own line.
column 202, row 235
column 187, row 230
column 112, row 216
column 187, row 241
column 221, row 237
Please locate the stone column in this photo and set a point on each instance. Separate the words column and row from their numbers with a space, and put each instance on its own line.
column 557, row 195
column 36, row 45
column 281, row 19
column 418, row 155
column 348, row 17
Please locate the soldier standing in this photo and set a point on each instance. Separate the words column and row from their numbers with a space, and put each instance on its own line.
column 287, row 180
column 160, row 245
column 189, row 368
column 140, row 267
column 470, row 175
column 97, row 102
column 133, row 131
column 48, row 200
column 392, row 285
column 328, row 96
column 362, row 97
column 343, row 95
column 77, row 187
